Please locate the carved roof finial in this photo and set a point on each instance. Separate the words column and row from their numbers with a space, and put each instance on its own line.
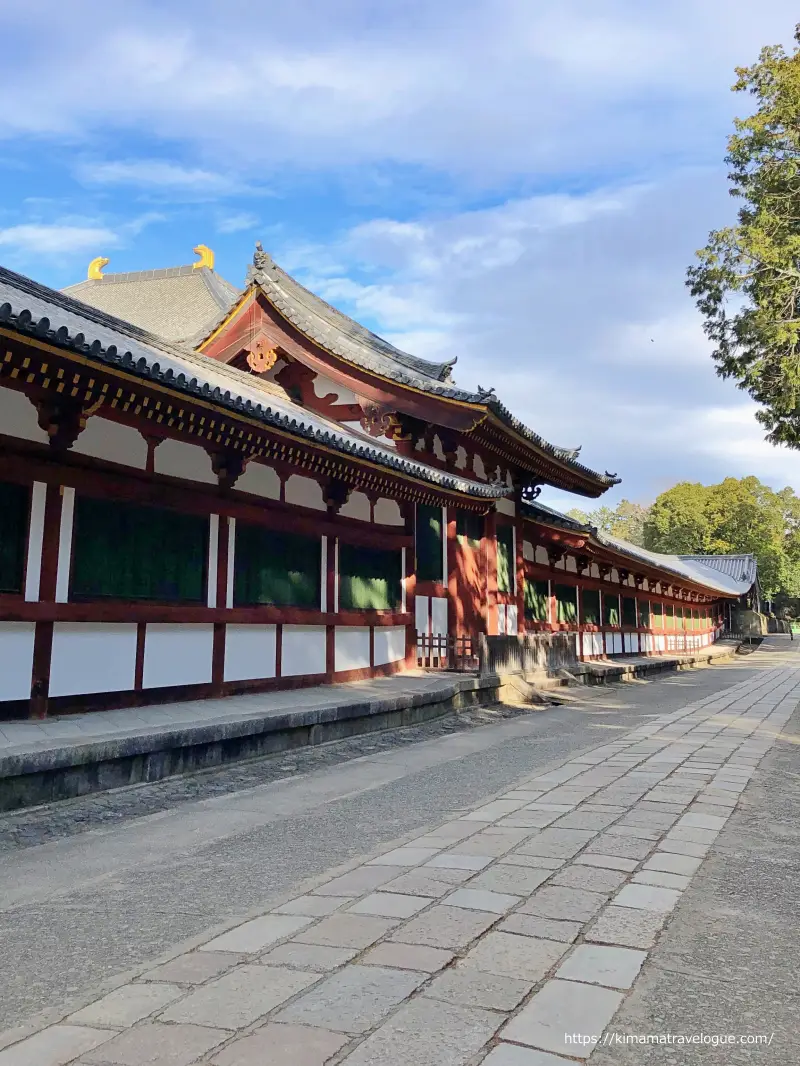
column 206, row 257
column 95, row 271
column 261, row 259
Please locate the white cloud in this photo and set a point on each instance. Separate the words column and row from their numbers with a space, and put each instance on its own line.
column 56, row 240
column 236, row 222
column 156, row 174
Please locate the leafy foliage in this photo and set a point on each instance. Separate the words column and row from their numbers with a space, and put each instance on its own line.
column 747, row 281
column 625, row 521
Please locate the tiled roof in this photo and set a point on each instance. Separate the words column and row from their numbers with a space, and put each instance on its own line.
column 342, row 336
column 32, row 309
column 732, row 575
column 177, row 303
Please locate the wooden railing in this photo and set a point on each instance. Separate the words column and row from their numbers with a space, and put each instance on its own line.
column 447, row 652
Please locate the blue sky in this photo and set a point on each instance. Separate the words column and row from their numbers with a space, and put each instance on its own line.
column 521, row 183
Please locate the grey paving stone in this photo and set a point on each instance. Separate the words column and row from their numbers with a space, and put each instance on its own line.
column 626, row 926
column 576, row 875
column 54, row 1046
column 478, row 899
column 661, row 880
column 514, row 1055
column 493, row 811
column 426, row 1032
column 454, row 831
column 544, row 928
column 585, row 820
column 530, row 819
column 527, row 795
column 684, row 847
column 698, row 820
column 444, row 927
column 621, row 846
column 647, row 898
column 403, row 857
column 292, row 1045
column 314, row 957
column 126, row 1005
column 560, row 843
column 408, row 957
column 237, row 998
column 314, row 906
column 673, row 864
column 257, row 934
column 357, row 882
column 638, row 832
column 154, row 1044
column 431, row 883
column 561, row 1008
column 509, row 955
column 694, row 836
column 570, row 904
column 353, row 1000
column 607, row 862
column 494, row 844
column 533, row 862
column 194, row 968
column 452, row 860
column 515, row 880
column 651, row 819
column 614, row 967
column 347, row 931
column 474, row 988
column 389, row 905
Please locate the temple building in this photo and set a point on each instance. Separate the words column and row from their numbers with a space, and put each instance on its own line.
column 207, row 490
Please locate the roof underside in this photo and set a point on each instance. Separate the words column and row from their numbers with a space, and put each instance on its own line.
column 34, row 310
column 730, row 575
column 178, row 303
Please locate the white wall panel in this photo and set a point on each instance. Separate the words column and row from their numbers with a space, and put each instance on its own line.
column 357, row 506
column 506, row 506
column 387, row 513
column 511, row 619
column 260, row 480
column 213, row 559
column 323, row 582
column 249, row 652
column 18, row 418
column 389, row 644
column 188, row 461
column 92, row 657
column 16, row 658
column 351, row 648
column 33, row 568
column 438, row 615
column 541, row 555
column 422, row 613
column 572, row 566
column 528, row 551
column 65, row 544
column 501, row 619
column 177, row 654
column 113, row 441
column 303, row 650
column 617, row 643
column 305, row 492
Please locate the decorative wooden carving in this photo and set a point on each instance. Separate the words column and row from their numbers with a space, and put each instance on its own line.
column 261, row 358
column 228, row 466
column 336, row 494
column 63, row 420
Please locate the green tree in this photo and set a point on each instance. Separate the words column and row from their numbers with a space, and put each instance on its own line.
column 747, row 281
column 678, row 523
column 625, row 521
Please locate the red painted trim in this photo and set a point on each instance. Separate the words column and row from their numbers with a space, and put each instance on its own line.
column 138, row 674
column 278, row 650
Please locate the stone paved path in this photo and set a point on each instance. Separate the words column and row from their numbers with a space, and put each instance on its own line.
column 487, row 940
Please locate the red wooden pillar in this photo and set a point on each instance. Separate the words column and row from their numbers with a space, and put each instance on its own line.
column 410, row 592
column 453, row 586
column 490, row 554
column 225, row 539
column 520, row 576
column 331, row 607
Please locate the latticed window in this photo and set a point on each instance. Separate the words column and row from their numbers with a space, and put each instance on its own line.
column 628, row 611
column 566, row 597
column 276, row 568
column 590, row 607
column 127, row 551
column 469, row 528
column 644, row 613
column 14, row 511
column 369, row 579
column 430, row 543
column 610, row 610
column 505, row 559
column 536, row 601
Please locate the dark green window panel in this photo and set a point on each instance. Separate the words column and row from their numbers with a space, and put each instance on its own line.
column 505, row 559
column 275, row 568
column 369, row 579
column 566, row 597
column 469, row 528
column 590, row 603
column 644, row 613
column 430, row 537
column 628, row 611
column 126, row 551
column 669, row 612
column 536, row 601
column 680, row 621
column 14, row 511
column 610, row 610
column 657, row 612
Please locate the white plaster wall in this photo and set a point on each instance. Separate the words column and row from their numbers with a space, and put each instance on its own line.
column 324, row 387
column 260, row 480
column 249, row 652
column 615, row 576
column 528, row 551
column 506, row 506
column 177, row 654
column 572, row 566
column 595, row 570
column 560, row 565
column 213, row 560
column 18, row 419
column 541, row 556
column 92, row 657
column 305, row 492
column 65, row 543
column 33, row 566
column 617, row 643
column 302, row 650
column 478, row 468
column 389, row 644
column 511, row 619
column 438, row 615
column 16, row 658
column 105, row 439
column 183, row 460
column 461, row 458
column 357, row 506
column 387, row 512
column 501, row 619
column 351, row 648
column 422, row 613
column 438, row 450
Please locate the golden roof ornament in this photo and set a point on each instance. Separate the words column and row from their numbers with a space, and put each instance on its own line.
column 206, row 257
column 95, row 271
